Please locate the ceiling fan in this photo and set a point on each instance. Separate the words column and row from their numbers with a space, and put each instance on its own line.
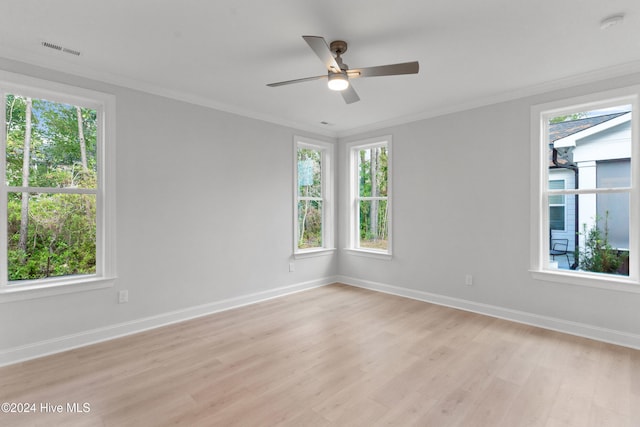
column 339, row 73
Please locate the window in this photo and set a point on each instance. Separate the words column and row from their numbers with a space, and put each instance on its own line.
column 556, row 206
column 56, row 224
column 370, row 196
column 592, row 144
column 313, row 210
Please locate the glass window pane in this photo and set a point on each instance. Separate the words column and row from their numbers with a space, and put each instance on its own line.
column 373, row 171
column 556, row 184
column 556, row 217
column 51, row 235
column 58, row 141
column 613, row 173
column 556, row 199
column 604, row 233
column 597, row 144
column 613, row 212
column 374, row 232
column 364, row 173
column 309, row 224
column 309, row 173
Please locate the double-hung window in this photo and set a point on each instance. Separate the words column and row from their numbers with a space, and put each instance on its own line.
column 370, row 196
column 590, row 142
column 313, row 188
column 57, row 214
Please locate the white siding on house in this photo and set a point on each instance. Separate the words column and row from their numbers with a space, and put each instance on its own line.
column 569, row 233
column 613, row 143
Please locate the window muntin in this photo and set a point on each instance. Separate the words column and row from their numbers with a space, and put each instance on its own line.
column 370, row 196
column 66, row 182
column 313, row 213
column 608, row 133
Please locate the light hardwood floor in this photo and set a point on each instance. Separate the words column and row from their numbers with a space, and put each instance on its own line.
column 335, row 356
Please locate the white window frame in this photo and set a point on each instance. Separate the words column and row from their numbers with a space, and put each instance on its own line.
column 353, row 240
column 539, row 263
column 326, row 150
column 104, row 105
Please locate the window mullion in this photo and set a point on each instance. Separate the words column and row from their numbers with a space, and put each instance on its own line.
column 368, row 199
column 50, row 190
column 589, row 191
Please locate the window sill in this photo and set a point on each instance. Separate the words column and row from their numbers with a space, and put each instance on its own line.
column 593, row 280
column 369, row 253
column 310, row 253
column 18, row 292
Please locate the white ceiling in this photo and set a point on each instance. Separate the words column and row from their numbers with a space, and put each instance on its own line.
column 222, row 53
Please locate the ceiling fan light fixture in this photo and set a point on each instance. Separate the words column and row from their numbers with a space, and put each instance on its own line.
column 338, row 81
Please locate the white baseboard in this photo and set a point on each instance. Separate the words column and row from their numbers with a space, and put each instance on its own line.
column 574, row 328
column 68, row 342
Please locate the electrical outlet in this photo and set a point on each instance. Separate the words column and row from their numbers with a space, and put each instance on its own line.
column 292, row 267
column 468, row 280
column 123, row 296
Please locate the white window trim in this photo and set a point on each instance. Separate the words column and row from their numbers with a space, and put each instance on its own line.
column 327, row 158
column 352, row 193
column 105, row 274
column 539, row 259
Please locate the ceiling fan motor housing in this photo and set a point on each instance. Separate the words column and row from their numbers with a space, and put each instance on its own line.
column 338, row 47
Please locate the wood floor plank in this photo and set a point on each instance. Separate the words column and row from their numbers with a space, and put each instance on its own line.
column 492, row 406
column 334, row 356
column 534, row 401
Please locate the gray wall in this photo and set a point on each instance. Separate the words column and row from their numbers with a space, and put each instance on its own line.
column 461, row 204
column 204, row 212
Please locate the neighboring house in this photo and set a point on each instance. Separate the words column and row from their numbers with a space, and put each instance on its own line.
column 593, row 152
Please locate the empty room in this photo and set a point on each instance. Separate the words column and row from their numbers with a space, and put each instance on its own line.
column 331, row 213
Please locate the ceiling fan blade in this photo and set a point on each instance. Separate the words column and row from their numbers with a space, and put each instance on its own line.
column 306, row 79
column 321, row 48
column 349, row 95
column 385, row 70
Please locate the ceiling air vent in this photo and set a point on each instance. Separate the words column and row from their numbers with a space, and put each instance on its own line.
column 61, row 48
column 71, row 51
column 51, row 46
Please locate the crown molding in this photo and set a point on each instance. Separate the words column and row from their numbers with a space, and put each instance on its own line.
column 64, row 66
column 538, row 89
